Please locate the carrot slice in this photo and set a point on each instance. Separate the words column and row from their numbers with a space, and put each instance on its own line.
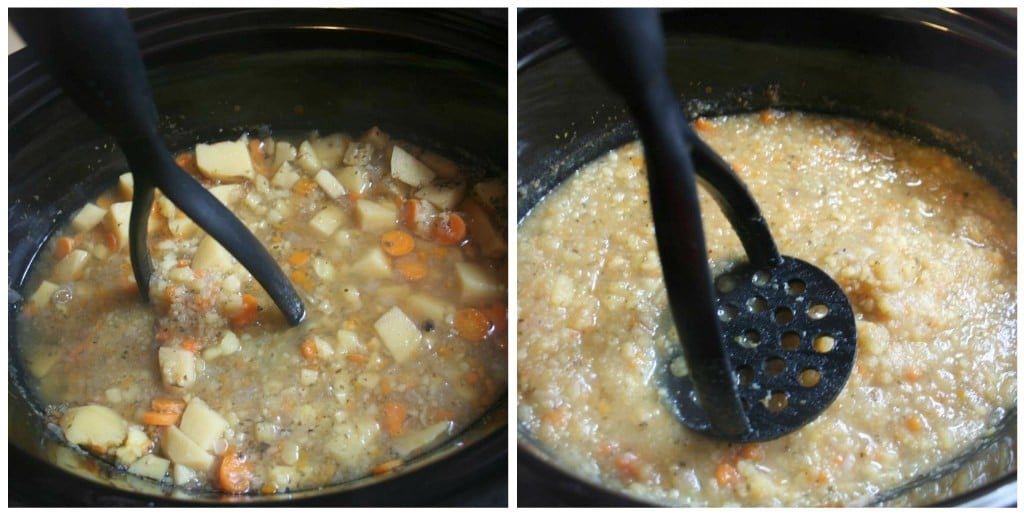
column 726, row 474
column 394, row 418
column 299, row 257
column 247, row 315
column 448, row 229
column 410, row 209
column 191, row 345
column 234, row 473
column 413, row 268
column 397, row 243
column 304, row 186
column 386, row 467
column 472, row 324
column 308, row 349
column 167, row 405
column 64, row 246
column 159, row 418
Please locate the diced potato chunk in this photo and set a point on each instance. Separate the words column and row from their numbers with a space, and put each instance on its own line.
column 348, row 342
column 165, row 206
column 423, row 307
column 376, row 216
column 225, row 161
column 94, row 425
column 40, row 359
column 151, row 466
column 444, row 196
column 117, row 220
column 377, row 138
column 283, row 152
column 354, row 179
column 491, row 193
column 227, row 194
column 374, row 264
column 282, row 476
column 177, row 366
column 307, row 159
column 445, row 168
column 182, row 227
column 407, row 444
column 70, row 267
column 410, row 170
column 358, row 153
column 87, row 217
column 135, row 446
column 354, row 441
column 183, row 451
column 329, row 184
column 399, row 334
column 126, row 186
column 286, row 177
column 211, row 256
column 477, row 284
column 202, row 424
column 331, row 148
column 563, row 291
column 182, row 474
column 327, row 220
column 43, row 294
column 482, row 229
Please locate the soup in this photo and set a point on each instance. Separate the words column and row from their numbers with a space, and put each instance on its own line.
column 399, row 255
column 924, row 249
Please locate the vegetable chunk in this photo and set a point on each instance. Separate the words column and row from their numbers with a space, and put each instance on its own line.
column 94, row 425
column 399, row 334
column 225, row 161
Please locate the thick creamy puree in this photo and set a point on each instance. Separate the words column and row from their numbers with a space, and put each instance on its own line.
column 924, row 249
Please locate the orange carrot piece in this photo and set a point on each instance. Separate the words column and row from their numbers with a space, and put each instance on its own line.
column 247, row 315
column 914, row 423
column 308, row 350
column 472, row 377
column 394, row 418
column 358, row 359
column 64, row 246
column 163, row 405
column 160, row 418
column 299, row 257
column 353, row 196
column 702, row 124
column 234, row 473
column 413, row 268
column 191, row 345
column 110, row 239
column 472, row 324
column 303, row 186
column 914, row 374
column 726, row 474
column 628, row 465
column 497, row 313
column 397, row 243
column 187, row 162
column 448, row 229
column 752, row 452
column 387, row 466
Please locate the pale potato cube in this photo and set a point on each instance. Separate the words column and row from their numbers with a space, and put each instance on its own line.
column 307, row 159
column 491, row 193
column 165, row 206
column 283, row 476
column 40, row 359
column 348, row 342
column 117, row 220
column 126, row 186
column 477, row 284
column 227, row 194
column 355, row 179
column 374, row 264
column 323, row 347
column 308, row 376
column 183, row 451
column 286, row 177
column 177, row 366
column 423, row 307
column 410, row 170
column 182, row 475
column 376, row 137
column 283, row 152
column 70, row 267
column 399, row 334
column 211, row 256
column 376, row 216
column 225, row 161
column 355, row 441
column 407, row 444
column 87, row 217
column 151, row 466
column 330, row 149
column 329, row 184
column 94, row 425
column 135, row 446
column 358, row 154
column 327, row 220
column 481, row 227
column 323, row 269
column 444, row 196
column 43, row 294
column 182, row 228
column 202, row 424
column 444, row 167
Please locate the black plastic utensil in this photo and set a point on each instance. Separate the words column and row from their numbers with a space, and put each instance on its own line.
column 787, row 338
column 93, row 55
